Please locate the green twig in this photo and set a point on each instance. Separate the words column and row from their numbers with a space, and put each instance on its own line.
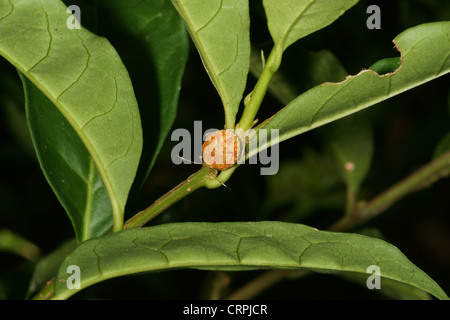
column 221, row 179
column 220, row 281
column 47, row 292
column 253, row 101
column 279, row 86
column 264, row 281
column 350, row 202
column 422, row 178
column 194, row 182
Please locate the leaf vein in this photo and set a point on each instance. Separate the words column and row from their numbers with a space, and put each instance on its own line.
column 94, row 249
column 106, row 112
column 238, row 255
column 49, row 44
column 10, row 12
column 82, row 72
column 153, row 249
column 212, row 18
column 294, row 22
column 89, row 200
column 326, row 101
column 131, row 142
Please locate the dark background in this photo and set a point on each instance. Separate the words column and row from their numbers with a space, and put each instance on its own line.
column 406, row 131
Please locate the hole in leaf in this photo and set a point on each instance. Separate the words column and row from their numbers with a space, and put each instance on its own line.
column 385, row 66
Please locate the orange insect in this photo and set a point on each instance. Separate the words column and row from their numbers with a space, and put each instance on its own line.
column 221, row 150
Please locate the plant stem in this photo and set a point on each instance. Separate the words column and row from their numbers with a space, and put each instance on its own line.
column 221, row 179
column 253, row 101
column 194, row 182
column 47, row 292
column 219, row 283
column 422, row 178
column 279, row 87
column 264, row 281
column 350, row 202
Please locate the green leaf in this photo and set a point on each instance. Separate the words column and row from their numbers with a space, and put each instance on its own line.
column 70, row 171
column 324, row 66
column 425, row 56
column 303, row 186
column 220, row 31
column 291, row 20
column 152, row 41
column 12, row 99
column 390, row 288
column 47, row 267
column 236, row 246
column 14, row 243
column 83, row 76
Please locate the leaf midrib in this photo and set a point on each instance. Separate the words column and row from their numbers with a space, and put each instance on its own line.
column 89, row 200
column 204, row 57
column 295, row 21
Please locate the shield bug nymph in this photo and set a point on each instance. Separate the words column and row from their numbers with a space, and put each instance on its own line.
column 221, row 150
